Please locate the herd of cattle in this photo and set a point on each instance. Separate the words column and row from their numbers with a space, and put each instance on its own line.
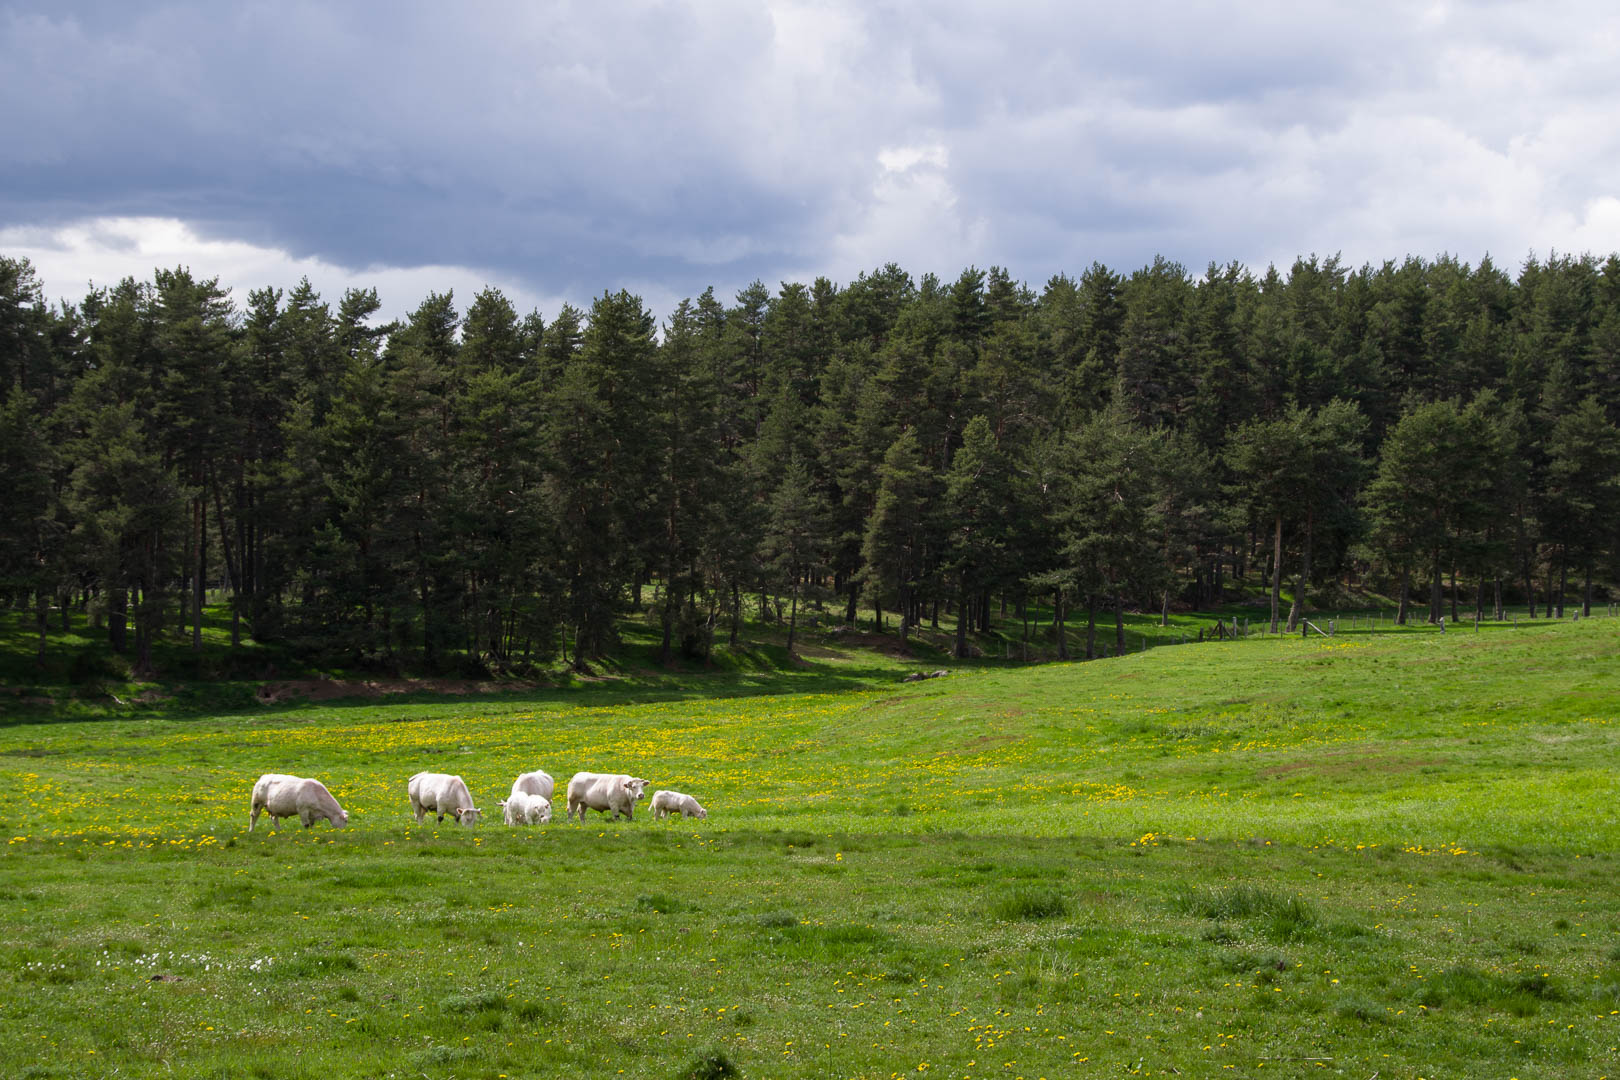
column 282, row 796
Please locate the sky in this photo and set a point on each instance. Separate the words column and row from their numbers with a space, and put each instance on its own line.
column 557, row 150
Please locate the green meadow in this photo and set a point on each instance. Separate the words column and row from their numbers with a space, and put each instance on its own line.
column 1387, row 855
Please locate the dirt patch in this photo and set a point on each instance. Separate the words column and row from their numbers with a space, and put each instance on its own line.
column 887, row 644
column 802, row 649
column 1342, row 764
column 328, row 689
column 981, row 744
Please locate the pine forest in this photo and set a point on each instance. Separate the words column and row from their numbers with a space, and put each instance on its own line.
column 473, row 488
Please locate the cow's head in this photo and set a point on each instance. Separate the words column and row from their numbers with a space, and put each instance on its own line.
column 340, row 819
column 545, row 812
column 636, row 787
column 700, row 813
column 468, row 815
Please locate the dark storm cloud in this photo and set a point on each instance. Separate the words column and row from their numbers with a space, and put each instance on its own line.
column 572, row 147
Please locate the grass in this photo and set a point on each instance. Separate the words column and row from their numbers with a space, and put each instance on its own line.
column 1387, row 853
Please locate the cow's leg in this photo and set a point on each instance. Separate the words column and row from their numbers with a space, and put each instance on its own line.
column 253, row 818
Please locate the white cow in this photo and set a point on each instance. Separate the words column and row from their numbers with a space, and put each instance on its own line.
column 441, row 794
column 521, row 808
column 534, row 783
column 669, row 803
column 281, row 796
column 613, row 793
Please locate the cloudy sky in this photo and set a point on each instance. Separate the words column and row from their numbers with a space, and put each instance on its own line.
column 558, row 149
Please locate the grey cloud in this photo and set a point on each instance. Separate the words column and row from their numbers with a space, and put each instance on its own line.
column 577, row 147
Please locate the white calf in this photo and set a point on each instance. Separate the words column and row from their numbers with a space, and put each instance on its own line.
column 669, row 803
column 521, row 808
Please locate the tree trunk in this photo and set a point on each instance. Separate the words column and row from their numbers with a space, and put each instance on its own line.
column 1436, row 587
column 793, row 616
column 1059, row 618
column 1529, row 584
column 1119, row 623
column 1296, row 613
column 1406, row 596
column 1498, row 607
column 1479, row 600
column 42, row 611
column 200, row 589
column 118, row 615
column 233, row 568
column 1563, row 577
column 1586, row 592
column 1023, row 613
column 1453, row 593
column 961, row 621
column 1091, row 626
column 1276, row 574
column 147, row 609
column 849, row 608
column 665, row 654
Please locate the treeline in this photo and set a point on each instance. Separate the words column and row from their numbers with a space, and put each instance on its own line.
column 479, row 488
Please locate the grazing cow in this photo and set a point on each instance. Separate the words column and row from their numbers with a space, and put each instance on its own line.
column 521, row 808
column 613, row 793
column 441, row 794
column 669, row 803
column 534, row 783
column 281, row 796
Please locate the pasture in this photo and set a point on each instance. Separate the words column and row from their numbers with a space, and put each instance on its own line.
column 1385, row 855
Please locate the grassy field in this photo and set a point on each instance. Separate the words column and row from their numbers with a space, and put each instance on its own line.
column 1384, row 854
